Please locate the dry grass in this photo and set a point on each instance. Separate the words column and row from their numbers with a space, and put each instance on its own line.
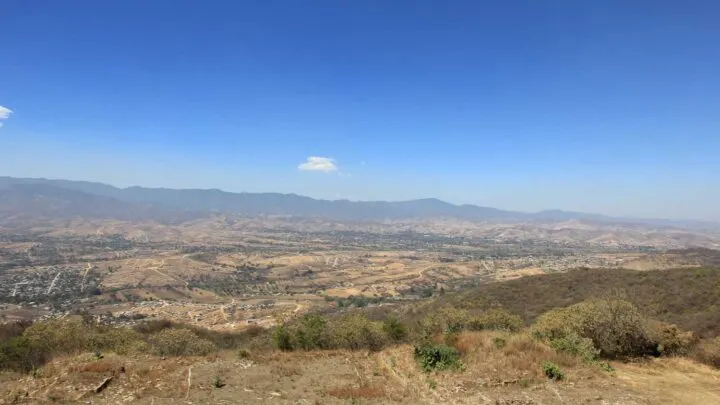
column 286, row 370
column 673, row 381
column 708, row 352
column 519, row 358
column 373, row 391
column 101, row 366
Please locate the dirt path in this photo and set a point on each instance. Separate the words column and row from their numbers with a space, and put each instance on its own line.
column 162, row 264
column 673, row 381
column 82, row 285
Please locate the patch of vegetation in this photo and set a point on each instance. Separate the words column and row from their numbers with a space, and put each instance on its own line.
column 576, row 345
column 217, row 382
column 356, row 301
column 180, row 342
column 669, row 339
column 615, row 327
column 449, row 320
column 310, row 333
column 394, row 329
column 282, row 338
column 438, row 357
column 496, row 319
column 688, row 298
column 353, row 331
column 606, row 367
column 499, row 342
column 552, row 371
column 42, row 341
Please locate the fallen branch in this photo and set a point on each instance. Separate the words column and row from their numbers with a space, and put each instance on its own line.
column 103, row 385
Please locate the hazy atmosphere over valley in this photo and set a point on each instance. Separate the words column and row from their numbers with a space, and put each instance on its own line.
column 359, row 202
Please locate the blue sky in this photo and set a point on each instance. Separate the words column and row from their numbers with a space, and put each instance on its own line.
column 599, row 106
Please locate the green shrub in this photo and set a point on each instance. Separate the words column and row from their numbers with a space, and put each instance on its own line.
column 356, row 331
column 62, row 337
column 180, row 342
column 496, row 319
column 18, row 354
column 499, row 342
column 552, row 371
column 615, row 326
column 606, row 367
column 310, row 333
column 438, row 357
column 394, row 329
column 446, row 319
column 119, row 340
column 282, row 338
column 573, row 344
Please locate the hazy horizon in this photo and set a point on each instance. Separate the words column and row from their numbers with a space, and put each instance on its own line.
column 600, row 108
column 429, row 197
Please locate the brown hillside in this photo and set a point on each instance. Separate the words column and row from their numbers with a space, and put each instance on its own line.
column 689, row 298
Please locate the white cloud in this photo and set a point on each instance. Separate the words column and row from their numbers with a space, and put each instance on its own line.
column 319, row 164
column 4, row 114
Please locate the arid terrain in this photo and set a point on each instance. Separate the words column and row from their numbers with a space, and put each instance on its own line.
column 290, row 309
column 225, row 272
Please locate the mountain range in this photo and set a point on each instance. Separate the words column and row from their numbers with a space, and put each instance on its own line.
column 66, row 198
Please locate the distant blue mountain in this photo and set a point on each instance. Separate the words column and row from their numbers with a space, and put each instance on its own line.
column 213, row 200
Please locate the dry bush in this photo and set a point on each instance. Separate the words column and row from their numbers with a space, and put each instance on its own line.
column 60, row 337
column 669, row 340
column 118, row 340
column 74, row 336
column 444, row 320
column 222, row 340
column 365, row 391
column 44, row 340
column 180, row 342
column 226, row 340
column 356, row 331
column 496, row 319
column 615, row 326
column 253, row 331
